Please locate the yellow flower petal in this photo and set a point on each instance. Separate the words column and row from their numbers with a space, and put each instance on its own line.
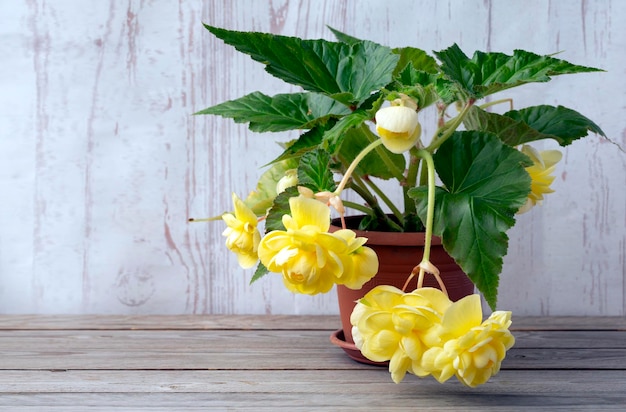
column 306, row 211
column 462, row 315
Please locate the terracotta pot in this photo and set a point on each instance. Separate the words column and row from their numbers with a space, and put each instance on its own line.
column 397, row 254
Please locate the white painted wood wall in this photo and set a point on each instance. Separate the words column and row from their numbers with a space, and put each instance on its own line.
column 101, row 162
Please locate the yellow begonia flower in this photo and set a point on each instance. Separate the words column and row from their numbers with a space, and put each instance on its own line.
column 242, row 235
column 424, row 333
column 389, row 325
column 471, row 350
column 540, row 173
column 398, row 127
column 310, row 259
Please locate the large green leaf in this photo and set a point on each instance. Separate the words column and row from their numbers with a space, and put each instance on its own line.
column 280, row 112
column 260, row 200
column 314, row 171
column 533, row 123
column 345, row 72
column 560, row 123
column 485, row 184
column 487, row 73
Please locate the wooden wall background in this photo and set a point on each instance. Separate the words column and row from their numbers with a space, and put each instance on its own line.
column 101, row 161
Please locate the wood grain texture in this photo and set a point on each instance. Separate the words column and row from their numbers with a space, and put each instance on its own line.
column 206, row 363
column 102, row 162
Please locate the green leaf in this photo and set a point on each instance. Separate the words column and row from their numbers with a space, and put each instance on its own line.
column 262, row 197
column 533, row 123
column 343, row 37
column 281, row 112
column 348, row 73
column 485, row 186
column 306, row 142
column 417, row 58
column 448, row 90
column 355, row 140
column 260, row 271
column 417, row 84
column 314, row 171
column 559, row 123
column 333, row 138
column 488, row 73
column 280, row 207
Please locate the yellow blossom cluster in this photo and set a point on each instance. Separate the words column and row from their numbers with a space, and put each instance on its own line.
column 310, row 259
column 424, row 333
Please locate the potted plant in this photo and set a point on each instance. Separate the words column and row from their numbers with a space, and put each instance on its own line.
column 359, row 113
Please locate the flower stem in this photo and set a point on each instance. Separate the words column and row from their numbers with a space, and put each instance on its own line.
column 411, row 180
column 444, row 132
column 359, row 207
column 384, row 155
column 394, row 209
column 425, row 265
column 430, row 211
column 493, row 103
column 371, row 200
column 354, row 164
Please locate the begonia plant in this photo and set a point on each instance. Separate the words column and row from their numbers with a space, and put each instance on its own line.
column 359, row 114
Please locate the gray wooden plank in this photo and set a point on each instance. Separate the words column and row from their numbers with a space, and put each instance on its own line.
column 568, row 323
column 365, row 380
column 168, row 322
column 273, row 322
column 510, row 390
column 223, row 340
column 261, row 349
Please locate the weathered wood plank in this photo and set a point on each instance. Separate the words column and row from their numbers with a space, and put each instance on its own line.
column 265, row 349
column 274, row 322
column 518, row 390
column 365, row 380
column 223, row 340
column 213, row 365
column 174, row 322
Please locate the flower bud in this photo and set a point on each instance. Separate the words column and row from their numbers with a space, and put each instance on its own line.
column 289, row 179
column 398, row 128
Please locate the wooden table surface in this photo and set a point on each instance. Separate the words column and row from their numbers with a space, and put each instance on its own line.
column 175, row 363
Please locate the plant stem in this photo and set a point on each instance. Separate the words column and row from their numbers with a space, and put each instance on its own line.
column 205, row 219
column 443, row 133
column 493, row 103
column 411, row 180
column 430, row 211
column 376, row 210
column 359, row 207
column 394, row 209
column 354, row 164
column 384, row 155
